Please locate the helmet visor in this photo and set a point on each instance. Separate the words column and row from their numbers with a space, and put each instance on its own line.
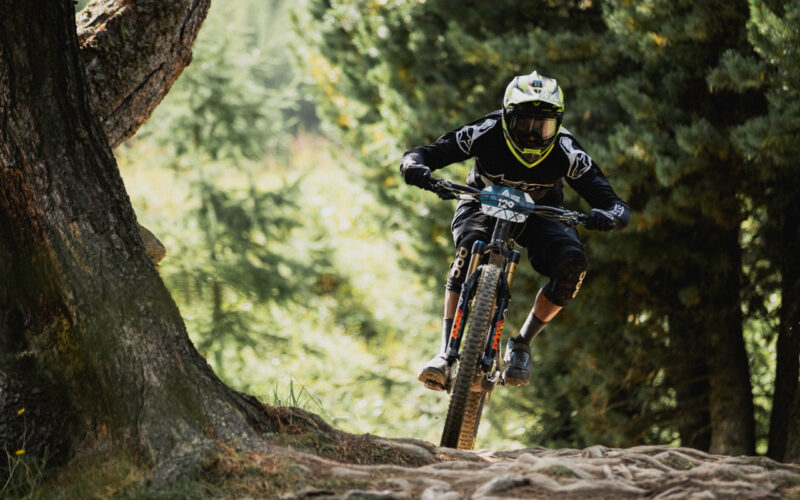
column 533, row 131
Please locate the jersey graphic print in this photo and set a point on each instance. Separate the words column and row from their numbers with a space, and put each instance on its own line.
column 579, row 160
column 467, row 135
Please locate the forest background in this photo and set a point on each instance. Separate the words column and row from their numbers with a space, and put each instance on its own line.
column 309, row 274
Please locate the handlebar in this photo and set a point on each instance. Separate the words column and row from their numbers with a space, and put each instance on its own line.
column 447, row 190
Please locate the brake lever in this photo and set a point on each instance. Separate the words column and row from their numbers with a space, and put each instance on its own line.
column 575, row 220
column 439, row 187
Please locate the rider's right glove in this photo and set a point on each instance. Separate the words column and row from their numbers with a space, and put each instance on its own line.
column 616, row 217
column 416, row 174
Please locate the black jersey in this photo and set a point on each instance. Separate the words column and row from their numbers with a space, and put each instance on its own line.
column 495, row 164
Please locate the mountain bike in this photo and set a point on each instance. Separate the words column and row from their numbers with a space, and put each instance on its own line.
column 474, row 364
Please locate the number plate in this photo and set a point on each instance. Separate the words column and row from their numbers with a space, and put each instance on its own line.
column 506, row 203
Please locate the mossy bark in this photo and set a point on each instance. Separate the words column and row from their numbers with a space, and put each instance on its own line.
column 81, row 304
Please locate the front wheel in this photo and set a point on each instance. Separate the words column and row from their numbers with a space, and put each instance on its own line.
column 466, row 404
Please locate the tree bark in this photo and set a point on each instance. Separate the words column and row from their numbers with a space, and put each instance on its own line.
column 731, row 394
column 784, row 429
column 81, row 305
column 709, row 369
column 688, row 374
column 792, row 453
column 133, row 51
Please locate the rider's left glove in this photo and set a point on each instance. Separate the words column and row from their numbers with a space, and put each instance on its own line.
column 615, row 218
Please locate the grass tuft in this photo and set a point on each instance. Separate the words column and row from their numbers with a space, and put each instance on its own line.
column 24, row 472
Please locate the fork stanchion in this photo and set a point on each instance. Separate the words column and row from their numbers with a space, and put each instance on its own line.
column 511, row 267
column 475, row 259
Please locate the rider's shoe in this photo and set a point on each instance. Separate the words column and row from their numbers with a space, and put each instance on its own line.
column 518, row 362
column 433, row 373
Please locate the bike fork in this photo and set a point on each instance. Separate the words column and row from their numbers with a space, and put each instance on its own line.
column 492, row 350
column 462, row 310
column 498, row 322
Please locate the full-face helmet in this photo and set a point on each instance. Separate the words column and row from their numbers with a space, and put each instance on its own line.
column 533, row 107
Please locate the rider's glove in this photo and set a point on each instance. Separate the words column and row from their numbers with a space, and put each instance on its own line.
column 616, row 217
column 416, row 174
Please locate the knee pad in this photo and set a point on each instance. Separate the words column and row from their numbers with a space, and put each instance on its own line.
column 567, row 278
column 458, row 270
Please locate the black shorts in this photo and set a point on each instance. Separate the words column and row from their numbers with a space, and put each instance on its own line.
column 546, row 241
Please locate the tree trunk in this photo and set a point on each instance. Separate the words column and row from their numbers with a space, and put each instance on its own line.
column 688, row 374
column 133, row 52
column 784, row 420
column 792, row 453
column 731, row 396
column 81, row 305
column 709, row 369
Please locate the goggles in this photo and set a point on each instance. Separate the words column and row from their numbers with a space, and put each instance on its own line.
column 532, row 132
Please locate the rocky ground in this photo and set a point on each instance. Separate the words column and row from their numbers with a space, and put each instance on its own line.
column 654, row 472
column 308, row 459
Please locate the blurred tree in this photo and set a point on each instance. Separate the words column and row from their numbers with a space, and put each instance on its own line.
column 231, row 102
column 225, row 121
column 675, row 151
column 770, row 143
column 236, row 265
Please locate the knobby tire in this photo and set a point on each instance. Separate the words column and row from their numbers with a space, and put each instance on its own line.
column 472, row 418
column 466, row 405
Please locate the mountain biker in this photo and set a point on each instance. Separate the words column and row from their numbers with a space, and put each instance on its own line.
column 525, row 147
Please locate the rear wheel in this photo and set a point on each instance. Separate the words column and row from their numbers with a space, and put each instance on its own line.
column 463, row 415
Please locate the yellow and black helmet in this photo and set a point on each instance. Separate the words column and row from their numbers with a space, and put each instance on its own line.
column 533, row 107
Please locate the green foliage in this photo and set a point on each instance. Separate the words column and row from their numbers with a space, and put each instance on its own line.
column 769, row 140
column 218, row 122
column 230, row 102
